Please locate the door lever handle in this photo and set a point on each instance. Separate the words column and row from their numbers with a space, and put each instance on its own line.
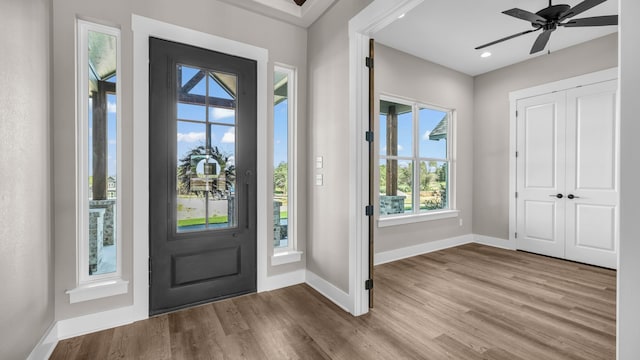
column 559, row 196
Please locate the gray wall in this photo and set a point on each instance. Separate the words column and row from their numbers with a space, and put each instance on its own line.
column 491, row 115
column 406, row 76
column 26, row 261
column 629, row 266
column 328, row 54
column 286, row 44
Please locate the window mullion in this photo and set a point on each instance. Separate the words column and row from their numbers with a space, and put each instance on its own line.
column 416, row 159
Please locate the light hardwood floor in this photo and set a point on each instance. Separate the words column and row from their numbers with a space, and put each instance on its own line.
column 468, row 302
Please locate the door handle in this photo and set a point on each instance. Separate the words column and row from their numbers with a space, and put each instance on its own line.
column 559, row 196
column 571, row 196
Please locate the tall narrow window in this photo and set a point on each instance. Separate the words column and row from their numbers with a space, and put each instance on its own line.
column 283, row 159
column 415, row 158
column 98, row 126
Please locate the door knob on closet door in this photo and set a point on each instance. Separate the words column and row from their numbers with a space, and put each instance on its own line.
column 571, row 196
column 559, row 196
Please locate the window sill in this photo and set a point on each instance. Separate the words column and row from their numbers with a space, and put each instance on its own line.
column 97, row 290
column 414, row 218
column 285, row 257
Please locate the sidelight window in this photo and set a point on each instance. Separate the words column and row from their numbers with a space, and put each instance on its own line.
column 99, row 165
column 284, row 185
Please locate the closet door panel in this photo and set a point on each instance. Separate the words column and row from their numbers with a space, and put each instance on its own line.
column 592, row 168
column 541, row 174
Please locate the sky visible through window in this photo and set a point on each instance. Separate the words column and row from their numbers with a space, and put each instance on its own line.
column 192, row 135
column 280, row 129
column 428, row 120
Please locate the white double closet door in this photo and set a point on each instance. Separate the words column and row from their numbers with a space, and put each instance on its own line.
column 567, row 174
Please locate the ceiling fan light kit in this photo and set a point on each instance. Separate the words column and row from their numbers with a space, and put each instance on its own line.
column 550, row 18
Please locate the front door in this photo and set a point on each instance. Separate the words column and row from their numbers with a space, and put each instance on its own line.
column 202, row 184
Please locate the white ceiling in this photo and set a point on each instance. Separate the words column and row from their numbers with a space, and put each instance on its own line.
column 286, row 10
column 447, row 31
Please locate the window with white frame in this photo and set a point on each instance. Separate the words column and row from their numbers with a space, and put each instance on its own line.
column 284, row 185
column 98, row 168
column 414, row 159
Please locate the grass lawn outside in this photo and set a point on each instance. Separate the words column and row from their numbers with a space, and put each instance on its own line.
column 200, row 221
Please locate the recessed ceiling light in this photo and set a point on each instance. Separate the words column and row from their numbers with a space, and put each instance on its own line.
column 485, row 54
column 401, row 15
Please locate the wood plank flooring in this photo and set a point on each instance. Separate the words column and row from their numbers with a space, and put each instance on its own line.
column 468, row 302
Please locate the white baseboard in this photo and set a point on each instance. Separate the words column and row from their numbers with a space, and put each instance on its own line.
column 283, row 280
column 46, row 345
column 86, row 324
column 495, row 242
column 329, row 291
column 406, row 252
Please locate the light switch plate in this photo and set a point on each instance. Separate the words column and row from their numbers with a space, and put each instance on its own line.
column 319, row 179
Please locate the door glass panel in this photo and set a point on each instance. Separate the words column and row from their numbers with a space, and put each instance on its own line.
column 192, row 112
column 206, row 178
column 192, row 81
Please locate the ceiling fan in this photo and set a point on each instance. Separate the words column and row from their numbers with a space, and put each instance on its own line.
column 549, row 18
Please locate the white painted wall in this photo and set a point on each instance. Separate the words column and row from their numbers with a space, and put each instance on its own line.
column 286, row 44
column 629, row 265
column 26, row 261
column 409, row 77
column 491, row 117
column 328, row 96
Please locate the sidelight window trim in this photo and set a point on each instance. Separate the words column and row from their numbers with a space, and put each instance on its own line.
column 289, row 253
column 89, row 287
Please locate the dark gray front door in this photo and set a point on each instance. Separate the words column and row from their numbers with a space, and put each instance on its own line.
column 202, row 166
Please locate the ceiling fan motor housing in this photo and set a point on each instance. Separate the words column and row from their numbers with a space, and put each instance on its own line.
column 552, row 13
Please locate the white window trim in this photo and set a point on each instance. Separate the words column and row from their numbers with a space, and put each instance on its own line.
column 290, row 253
column 89, row 287
column 416, row 216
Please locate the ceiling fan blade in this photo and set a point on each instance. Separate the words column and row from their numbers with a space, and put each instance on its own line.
column 526, row 15
column 541, row 41
column 593, row 21
column 506, row 38
column 580, row 8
